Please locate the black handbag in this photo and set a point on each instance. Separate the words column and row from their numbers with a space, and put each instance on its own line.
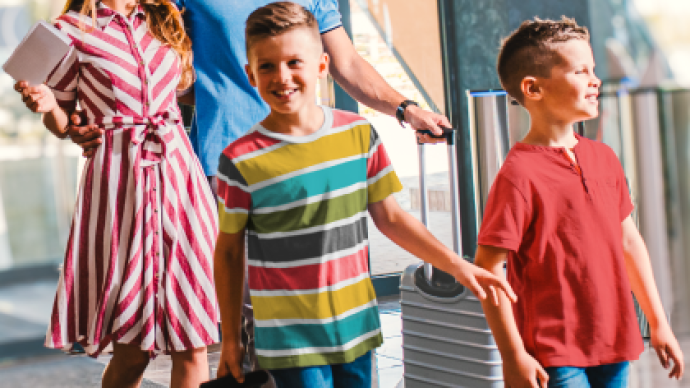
column 251, row 380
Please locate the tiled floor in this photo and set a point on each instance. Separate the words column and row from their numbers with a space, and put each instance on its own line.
column 79, row 371
column 388, row 356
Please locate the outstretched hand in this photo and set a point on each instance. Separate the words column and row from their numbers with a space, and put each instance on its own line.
column 667, row 349
column 88, row 137
column 483, row 283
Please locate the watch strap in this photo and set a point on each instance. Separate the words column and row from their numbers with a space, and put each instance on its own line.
column 400, row 112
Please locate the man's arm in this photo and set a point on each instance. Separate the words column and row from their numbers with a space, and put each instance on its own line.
column 414, row 237
column 519, row 368
column 359, row 79
column 87, row 136
column 228, row 267
column 186, row 96
column 641, row 279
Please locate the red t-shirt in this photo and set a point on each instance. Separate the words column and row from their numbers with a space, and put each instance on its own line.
column 563, row 230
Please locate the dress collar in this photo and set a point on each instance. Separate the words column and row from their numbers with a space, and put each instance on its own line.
column 104, row 14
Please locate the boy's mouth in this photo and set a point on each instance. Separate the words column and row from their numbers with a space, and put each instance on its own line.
column 284, row 93
column 593, row 98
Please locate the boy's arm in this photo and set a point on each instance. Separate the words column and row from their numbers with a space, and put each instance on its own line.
column 228, row 268
column 413, row 236
column 641, row 279
column 519, row 368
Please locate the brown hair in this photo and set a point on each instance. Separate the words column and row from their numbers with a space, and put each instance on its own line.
column 278, row 18
column 530, row 51
column 165, row 24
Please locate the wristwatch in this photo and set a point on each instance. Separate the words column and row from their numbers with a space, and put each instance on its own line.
column 400, row 112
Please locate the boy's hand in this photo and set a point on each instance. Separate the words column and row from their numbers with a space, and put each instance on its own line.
column 39, row 99
column 231, row 361
column 524, row 372
column 666, row 346
column 483, row 283
column 88, row 137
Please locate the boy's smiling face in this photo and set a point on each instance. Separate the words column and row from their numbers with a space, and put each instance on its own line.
column 570, row 94
column 285, row 68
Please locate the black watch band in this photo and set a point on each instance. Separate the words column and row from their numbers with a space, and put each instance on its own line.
column 400, row 112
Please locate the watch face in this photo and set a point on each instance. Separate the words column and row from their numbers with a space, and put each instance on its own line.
column 400, row 113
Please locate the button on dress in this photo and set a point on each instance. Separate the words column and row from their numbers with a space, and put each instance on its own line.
column 138, row 265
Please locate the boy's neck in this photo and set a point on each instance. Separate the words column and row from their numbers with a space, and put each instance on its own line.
column 304, row 122
column 551, row 134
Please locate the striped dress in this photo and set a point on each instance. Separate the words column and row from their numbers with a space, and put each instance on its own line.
column 303, row 201
column 138, row 266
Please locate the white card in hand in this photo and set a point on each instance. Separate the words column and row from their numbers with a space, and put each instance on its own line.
column 38, row 54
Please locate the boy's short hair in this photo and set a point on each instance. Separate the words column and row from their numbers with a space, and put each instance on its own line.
column 530, row 50
column 278, row 18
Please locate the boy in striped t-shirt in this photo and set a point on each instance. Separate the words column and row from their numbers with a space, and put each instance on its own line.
column 298, row 186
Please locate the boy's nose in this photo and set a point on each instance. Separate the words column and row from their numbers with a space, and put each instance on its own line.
column 595, row 81
column 284, row 73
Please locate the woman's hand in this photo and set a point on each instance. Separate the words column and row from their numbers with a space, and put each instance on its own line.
column 39, row 99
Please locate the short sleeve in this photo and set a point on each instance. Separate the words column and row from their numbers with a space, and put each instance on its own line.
column 382, row 180
column 64, row 78
column 507, row 216
column 327, row 14
column 625, row 205
column 234, row 198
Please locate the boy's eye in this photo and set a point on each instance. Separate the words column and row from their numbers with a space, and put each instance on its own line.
column 265, row 66
column 294, row 62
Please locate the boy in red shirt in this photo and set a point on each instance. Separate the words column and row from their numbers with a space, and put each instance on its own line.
column 559, row 212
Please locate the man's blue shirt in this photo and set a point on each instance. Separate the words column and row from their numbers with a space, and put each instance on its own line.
column 227, row 106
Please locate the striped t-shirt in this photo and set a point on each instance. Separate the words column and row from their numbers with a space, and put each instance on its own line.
column 303, row 201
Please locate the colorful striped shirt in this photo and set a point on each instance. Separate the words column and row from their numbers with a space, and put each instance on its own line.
column 303, row 201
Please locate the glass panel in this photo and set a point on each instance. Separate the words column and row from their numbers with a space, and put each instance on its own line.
column 400, row 38
column 38, row 172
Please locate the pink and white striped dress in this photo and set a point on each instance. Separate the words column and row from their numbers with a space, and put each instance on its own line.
column 138, row 266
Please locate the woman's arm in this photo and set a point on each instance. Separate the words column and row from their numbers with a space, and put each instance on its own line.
column 40, row 99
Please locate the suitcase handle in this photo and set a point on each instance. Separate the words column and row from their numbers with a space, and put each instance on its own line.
column 447, row 134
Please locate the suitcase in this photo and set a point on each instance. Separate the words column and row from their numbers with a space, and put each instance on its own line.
column 447, row 341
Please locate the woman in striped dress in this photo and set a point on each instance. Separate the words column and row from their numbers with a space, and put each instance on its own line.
column 137, row 273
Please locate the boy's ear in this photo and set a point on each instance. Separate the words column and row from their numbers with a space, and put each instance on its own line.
column 324, row 62
column 531, row 89
column 250, row 75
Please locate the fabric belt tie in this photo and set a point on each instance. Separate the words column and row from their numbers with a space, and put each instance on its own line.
column 150, row 135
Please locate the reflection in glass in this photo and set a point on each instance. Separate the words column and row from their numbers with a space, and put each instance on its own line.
column 401, row 40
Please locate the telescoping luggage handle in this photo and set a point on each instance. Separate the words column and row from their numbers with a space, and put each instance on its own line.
column 449, row 135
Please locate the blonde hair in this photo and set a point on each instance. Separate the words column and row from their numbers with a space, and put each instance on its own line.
column 278, row 18
column 164, row 21
column 530, row 51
